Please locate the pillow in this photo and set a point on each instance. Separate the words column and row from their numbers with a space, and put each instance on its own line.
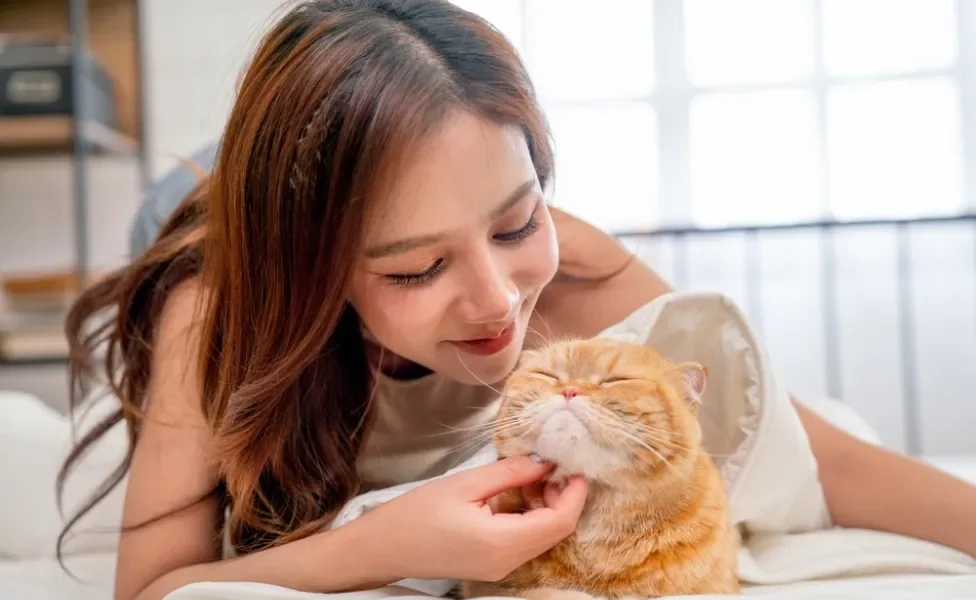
column 34, row 440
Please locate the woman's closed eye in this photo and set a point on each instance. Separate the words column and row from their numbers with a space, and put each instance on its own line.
column 415, row 278
column 530, row 227
column 509, row 237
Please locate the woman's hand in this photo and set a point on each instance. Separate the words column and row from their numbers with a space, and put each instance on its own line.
column 446, row 529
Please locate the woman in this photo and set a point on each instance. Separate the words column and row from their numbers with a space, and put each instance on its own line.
column 370, row 254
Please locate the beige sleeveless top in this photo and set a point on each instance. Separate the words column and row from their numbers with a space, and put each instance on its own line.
column 424, row 427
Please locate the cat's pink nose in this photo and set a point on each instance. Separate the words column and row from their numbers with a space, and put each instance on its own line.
column 570, row 392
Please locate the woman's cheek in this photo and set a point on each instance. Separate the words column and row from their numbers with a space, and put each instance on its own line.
column 540, row 256
column 402, row 307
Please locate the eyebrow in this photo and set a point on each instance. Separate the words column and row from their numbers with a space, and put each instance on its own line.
column 406, row 244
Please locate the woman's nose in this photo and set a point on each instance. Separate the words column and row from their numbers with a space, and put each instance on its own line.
column 493, row 304
column 491, row 298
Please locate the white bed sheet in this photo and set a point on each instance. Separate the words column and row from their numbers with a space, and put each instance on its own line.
column 44, row 579
column 927, row 587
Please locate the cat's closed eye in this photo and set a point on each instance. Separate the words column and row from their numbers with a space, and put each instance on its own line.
column 615, row 379
column 545, row 374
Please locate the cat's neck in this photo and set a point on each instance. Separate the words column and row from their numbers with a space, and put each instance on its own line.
column 640, row 504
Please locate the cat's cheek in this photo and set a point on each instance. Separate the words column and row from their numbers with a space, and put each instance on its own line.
column 509, row 447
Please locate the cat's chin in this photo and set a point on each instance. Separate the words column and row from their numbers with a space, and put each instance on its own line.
column 566, row 441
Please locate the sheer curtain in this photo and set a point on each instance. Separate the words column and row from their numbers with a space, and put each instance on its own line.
column 721, row 112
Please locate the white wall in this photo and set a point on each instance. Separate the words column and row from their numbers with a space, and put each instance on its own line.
column 196, row 52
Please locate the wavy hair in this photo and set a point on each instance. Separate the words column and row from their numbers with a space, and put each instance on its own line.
column 337, row 90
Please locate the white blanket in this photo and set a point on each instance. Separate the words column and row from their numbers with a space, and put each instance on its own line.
column 752, row 429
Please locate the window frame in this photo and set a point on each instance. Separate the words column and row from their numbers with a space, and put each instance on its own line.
column 674, row 94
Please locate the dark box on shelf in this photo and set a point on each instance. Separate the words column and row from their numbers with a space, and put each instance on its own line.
column 36, row 80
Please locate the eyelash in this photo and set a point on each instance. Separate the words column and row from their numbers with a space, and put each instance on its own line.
column 517, row 236
column 416, row 278
column 406, row 279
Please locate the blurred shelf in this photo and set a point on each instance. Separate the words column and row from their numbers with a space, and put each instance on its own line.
column 106, row 33
column 111, row 33
column 33, row 361
column 55, row 134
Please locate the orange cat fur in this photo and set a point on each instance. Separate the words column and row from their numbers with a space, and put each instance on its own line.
column 656, row 521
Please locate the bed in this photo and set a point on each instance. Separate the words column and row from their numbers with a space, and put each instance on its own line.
column 791, row 552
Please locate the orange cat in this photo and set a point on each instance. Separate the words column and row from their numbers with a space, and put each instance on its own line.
column 656, row 521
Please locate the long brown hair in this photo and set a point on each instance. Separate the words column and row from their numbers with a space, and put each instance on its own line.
column 335, row 92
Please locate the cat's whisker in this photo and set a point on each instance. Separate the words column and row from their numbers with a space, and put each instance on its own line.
column 651, row 449
column 541, row 335
column 482, row 440
column 484, row 427
column 505, row 426
column 545, row 324
column 475, row 375
column 471, row 443
column 675, row 446
column 654, row 433
column 665, row 444
column 510, row 427
column 659, row 436
column 616, row 426
column 491, row 424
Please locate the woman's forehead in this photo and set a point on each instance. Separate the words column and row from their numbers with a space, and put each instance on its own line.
column 454, row 178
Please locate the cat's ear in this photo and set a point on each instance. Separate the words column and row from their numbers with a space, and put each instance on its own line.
column 693, row 379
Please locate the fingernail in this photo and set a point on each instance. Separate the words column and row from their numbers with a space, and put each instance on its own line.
column 537, row 458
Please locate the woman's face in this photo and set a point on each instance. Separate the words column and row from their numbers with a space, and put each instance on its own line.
column 458, row 254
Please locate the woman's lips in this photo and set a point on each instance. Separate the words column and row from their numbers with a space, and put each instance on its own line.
column 488, row 346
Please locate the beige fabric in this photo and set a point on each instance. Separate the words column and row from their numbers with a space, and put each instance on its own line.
column 424, row 427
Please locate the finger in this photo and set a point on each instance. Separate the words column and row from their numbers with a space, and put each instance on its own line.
column 544, row 527
column 569, row 498
column 481, row 483
column 507, row 502
column 551, row 492
column 533, row 495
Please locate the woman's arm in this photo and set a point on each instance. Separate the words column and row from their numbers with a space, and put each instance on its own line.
column 325, row 562
column 172, row 475
column 870, row 487
column 865, row 486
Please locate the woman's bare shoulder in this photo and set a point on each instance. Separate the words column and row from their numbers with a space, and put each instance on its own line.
column 176, row 344
column 583, row 302
column 183, row 310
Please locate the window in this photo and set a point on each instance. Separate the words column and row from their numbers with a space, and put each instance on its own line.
column 724, row 112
